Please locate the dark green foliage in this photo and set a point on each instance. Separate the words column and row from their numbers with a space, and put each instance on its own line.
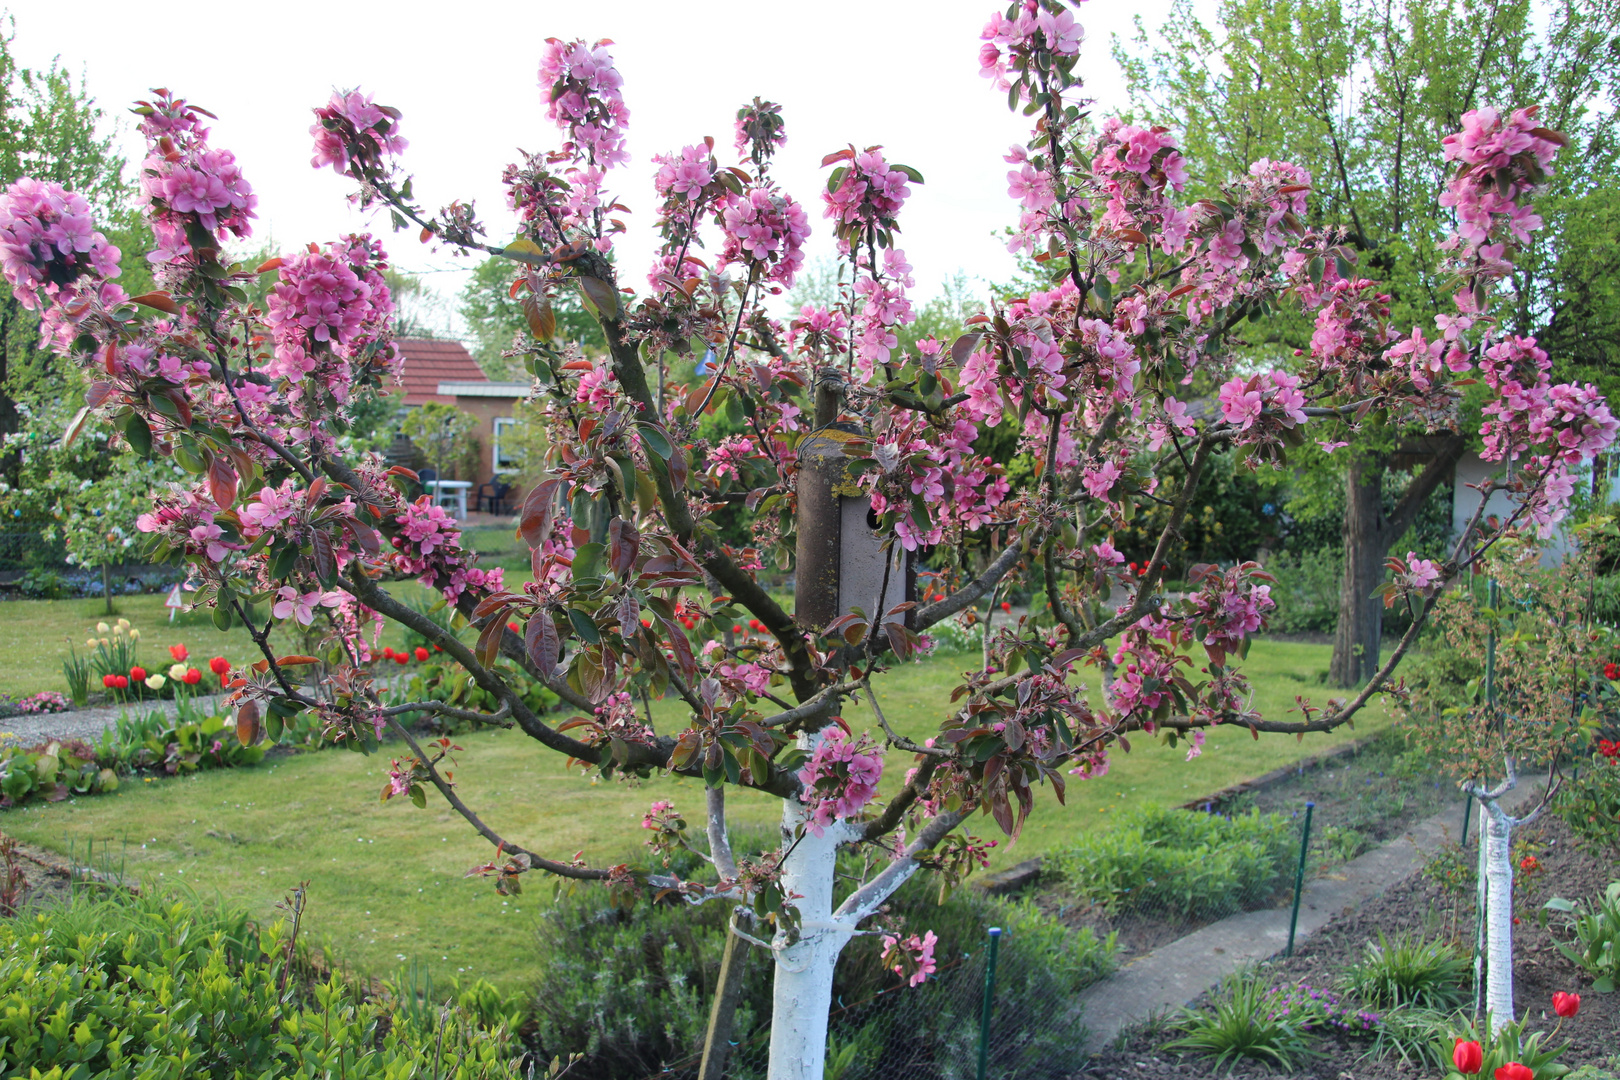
column 1237, row 512
column 1180, row 863
column 162, row 987
column 1589, row 803
column 1411, row 971
column 631, row 986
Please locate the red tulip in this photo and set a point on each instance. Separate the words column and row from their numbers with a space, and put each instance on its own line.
column 402, row 658
column 219, row 666
column 736, row 629
column 1514, row 1071
column 109, row 681
column 179, row 652
column 137, row 673
column 1468, row 1056
column 1005, row 606
column 388, row 652
column 1566, row 1005
column 121, row 682
column 192, row 677
column 421, row 653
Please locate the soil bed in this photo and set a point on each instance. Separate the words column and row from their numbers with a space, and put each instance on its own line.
column 1418, row 905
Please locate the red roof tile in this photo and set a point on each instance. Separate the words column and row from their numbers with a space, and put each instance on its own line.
column 429, row 362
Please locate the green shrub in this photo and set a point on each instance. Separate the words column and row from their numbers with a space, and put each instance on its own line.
column 1590, row 803
column 1179, row 862
column 1307, row 590
column 164, row 988
column 1410, row 972
column 630, row 987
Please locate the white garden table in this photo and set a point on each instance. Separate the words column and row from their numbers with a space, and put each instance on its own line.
column 444, row 491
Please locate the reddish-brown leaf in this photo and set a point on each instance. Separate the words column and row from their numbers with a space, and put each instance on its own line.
column 542, row 642
column 534, row 525
column 624, row 543
column 160, row 301
column 248, row 729
column 221, row 481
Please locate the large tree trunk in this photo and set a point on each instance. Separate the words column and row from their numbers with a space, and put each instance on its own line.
column 1360, row 630
column 1368, row 534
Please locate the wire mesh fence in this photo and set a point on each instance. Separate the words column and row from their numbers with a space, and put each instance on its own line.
column 953, row 1026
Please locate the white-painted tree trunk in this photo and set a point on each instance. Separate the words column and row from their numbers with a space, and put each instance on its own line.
column 1498, row 885
column 802, row 997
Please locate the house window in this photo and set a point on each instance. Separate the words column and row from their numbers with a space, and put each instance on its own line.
column 505, row 452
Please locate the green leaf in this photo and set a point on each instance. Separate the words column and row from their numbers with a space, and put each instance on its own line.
column 588, row 561
column 654, row 439
column 584, row 626
column 139, row 435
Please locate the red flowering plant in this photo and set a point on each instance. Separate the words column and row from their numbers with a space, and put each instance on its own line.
column 1504, row 1054
column 1087, row 370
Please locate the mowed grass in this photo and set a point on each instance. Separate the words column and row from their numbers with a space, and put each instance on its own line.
column 386, row 880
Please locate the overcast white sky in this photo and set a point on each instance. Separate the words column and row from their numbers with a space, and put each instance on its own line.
column 904, row 75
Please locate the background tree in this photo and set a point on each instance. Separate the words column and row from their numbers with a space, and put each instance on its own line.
column 442, row 432
column 495, row 317
column 1360, row 94
column 279, row 511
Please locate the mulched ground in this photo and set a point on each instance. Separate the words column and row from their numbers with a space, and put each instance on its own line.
column 1418, row 905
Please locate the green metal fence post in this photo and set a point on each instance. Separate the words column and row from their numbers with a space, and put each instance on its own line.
column 989, row 1000
column 1468, row 809
column 1299, row 876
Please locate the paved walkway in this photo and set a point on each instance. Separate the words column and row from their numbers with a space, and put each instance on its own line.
column 1177, row 973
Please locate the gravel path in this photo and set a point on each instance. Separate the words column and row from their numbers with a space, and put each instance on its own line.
column 86, row 724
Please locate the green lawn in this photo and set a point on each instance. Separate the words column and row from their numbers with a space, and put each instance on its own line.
column 386, row 880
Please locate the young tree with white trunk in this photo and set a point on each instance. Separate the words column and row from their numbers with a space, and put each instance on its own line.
column 1148, row 297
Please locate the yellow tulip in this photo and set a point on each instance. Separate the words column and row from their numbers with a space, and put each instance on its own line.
column 103, row 628
column 155, row 681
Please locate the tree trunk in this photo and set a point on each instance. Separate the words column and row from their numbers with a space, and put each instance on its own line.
column 802, row 996
column 1359, row 633
column 1498, row 837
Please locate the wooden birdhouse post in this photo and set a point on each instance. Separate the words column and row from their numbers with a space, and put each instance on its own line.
column 840, row 558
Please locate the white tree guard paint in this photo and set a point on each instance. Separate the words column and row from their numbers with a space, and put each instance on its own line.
column 1498, row 916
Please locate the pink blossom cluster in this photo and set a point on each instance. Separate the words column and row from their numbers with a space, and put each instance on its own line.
column 1278, row 190
column 766, row 228
column 428, row 545
column 684, row 175
column 1501, row 160
column 911, row 958
column 884, row 306
column 840, row 778
column 336, row 297
column 917, row 464
column 185, row 184
column 185, row 519
column 819, row 332
column 1261, row 404
column 48, row 244
column 1010, row 42
column 1135, row 169
column 1420, row 575
column 1143, row 674
column 1352, row 325
column 350, row 128
column 868, row 195
column 584, row 100
column 301, row 607
column 729, row 457
column 1229, row 605
column 754, row 678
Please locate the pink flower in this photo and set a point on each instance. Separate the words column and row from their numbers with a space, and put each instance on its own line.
column 1099, row 482
column 1240, row 402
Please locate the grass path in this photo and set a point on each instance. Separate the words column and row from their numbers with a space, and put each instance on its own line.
column 386, row 880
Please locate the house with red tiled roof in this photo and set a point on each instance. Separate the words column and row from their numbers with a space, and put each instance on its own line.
column 444, row 371
column 431, row 361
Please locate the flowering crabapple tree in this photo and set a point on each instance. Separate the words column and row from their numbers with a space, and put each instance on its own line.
column 1149, row 293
